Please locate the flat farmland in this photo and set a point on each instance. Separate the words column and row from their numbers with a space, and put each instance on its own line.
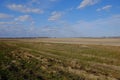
column 96, row 41
column 60, row 59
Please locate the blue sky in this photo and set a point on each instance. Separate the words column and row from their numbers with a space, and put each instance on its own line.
column 59, row 18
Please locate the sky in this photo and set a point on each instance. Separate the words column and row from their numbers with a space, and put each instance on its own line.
column 59, row 18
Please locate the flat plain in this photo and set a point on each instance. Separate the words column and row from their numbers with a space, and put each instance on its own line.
column 96, row 41
column 60, row 59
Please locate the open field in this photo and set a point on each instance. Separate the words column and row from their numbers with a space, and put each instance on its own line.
column 60, row 59
column 96, row 41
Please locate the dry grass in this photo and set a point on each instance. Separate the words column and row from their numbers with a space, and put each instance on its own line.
column 54, row 59
column 96, row 41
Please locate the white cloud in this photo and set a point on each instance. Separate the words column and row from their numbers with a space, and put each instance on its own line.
column 55, row 16
column 85, row 3
column 108, row 26
column 4, row 16
column 23, row 18
column 24, row 9
column 107, row 7
column 19, row 20
column 111, row 21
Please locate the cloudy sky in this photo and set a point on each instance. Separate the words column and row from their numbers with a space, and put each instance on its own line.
column 59, row 18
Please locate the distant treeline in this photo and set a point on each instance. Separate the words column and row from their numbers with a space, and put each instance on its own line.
column 22, row 37
column 52, row 37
